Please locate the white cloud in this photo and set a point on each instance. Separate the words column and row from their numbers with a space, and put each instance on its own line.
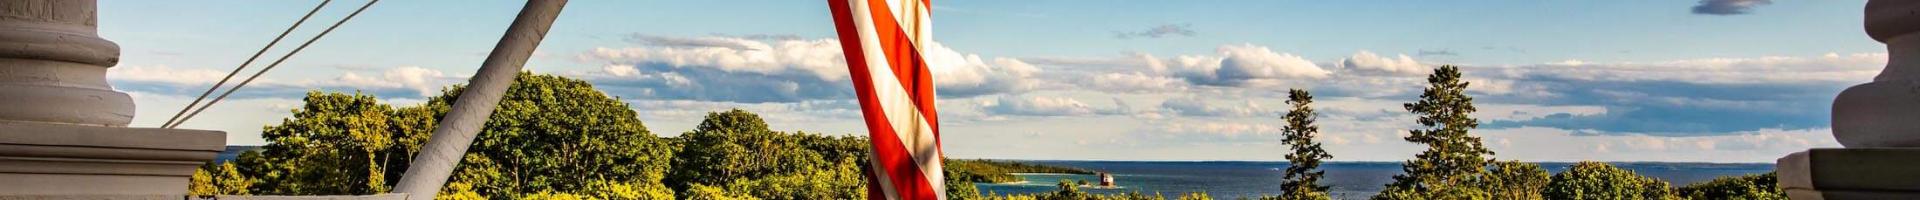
column 1367, row 62
column 709, row 41
column 1224, row 130
column 1826, row 68
column 1135, row 82
column 1548, row 144
column 425, row 81
column 1194, row 106
column 1246, row 63
column 241, row 119
column 719, row 68
column 620, row 70
column 820, row 57
column 404, row 81
column 164, row 74
column 969, row 75
column 1037, row 106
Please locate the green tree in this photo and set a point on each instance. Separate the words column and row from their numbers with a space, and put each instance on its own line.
column 201, row 184
column 334, row 144
column 1749, row 187
column 1195, row 196
column 962, row 189
column 735, row 153
column 1303, row 164
column 704, row 192
column 560, row 134
column 550, row 133
column 1454, row 159
column 1068, row 190
column 1596, row 180
column 1516, row 180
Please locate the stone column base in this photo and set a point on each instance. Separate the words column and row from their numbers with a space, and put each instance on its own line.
column 58, row 159
column 1853, row 173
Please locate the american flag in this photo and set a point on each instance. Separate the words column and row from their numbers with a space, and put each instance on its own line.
column 883, row 41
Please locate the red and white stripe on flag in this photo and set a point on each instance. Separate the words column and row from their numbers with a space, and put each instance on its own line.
column 883, row 42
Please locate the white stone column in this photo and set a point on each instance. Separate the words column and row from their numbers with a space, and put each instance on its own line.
column 63, row 129
column 1878, row 122
column 51, row 59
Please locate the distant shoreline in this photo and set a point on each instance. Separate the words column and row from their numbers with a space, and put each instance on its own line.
column 1040, row 173
column 1362, row 162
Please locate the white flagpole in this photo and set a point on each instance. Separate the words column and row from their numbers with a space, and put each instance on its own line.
column 431, row 168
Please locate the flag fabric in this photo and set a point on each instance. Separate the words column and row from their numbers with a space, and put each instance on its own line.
column 883, row 41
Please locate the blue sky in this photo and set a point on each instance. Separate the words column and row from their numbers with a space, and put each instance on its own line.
column 1710, row 81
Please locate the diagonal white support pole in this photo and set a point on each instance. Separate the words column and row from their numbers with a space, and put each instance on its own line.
column 431, row 168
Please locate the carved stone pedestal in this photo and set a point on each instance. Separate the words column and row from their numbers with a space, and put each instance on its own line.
column 53, row 159
column 1851, row 173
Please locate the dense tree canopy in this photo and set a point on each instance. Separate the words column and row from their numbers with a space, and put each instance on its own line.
column 1750, row 187
column 735, row 152
column 1515, row 180
column 1596, row 180
column 549, row 135
column 557, row 134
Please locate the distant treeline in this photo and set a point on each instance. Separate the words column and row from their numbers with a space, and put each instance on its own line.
column 995, row 171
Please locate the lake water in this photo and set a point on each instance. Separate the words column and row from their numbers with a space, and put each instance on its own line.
column 1350, row 180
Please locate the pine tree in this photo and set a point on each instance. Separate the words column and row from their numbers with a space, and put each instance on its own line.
column 1303, row 165
column 1454, row 158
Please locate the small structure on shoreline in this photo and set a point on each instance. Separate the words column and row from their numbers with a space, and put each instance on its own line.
column 1106, row 180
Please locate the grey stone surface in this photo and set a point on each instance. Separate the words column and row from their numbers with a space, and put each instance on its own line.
column 1875, row 121
column 1881, row 113
column 61, row 159
column 53, row 65
column 1800, row 194
column 63, row 131
column 1860, row 169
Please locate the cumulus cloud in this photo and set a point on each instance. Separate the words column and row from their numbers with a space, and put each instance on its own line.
column 396, row 82
column 1135, row 82
column 1247, row 61
column 696, row 42
column 1831, row 67
column 820, row 58
column 1368, row 62
column 1220, row 130
column 426, row 82
column 1546, row 144
column 1164, row 30
column 1688, row 97
column 164, row 74
column 968, row 75
column 779, row 69
column 1037, row 106
column 1728, row 7
column 1685, row 97
column 1246, row 64
column 1194, row 106
column 1236, row 65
